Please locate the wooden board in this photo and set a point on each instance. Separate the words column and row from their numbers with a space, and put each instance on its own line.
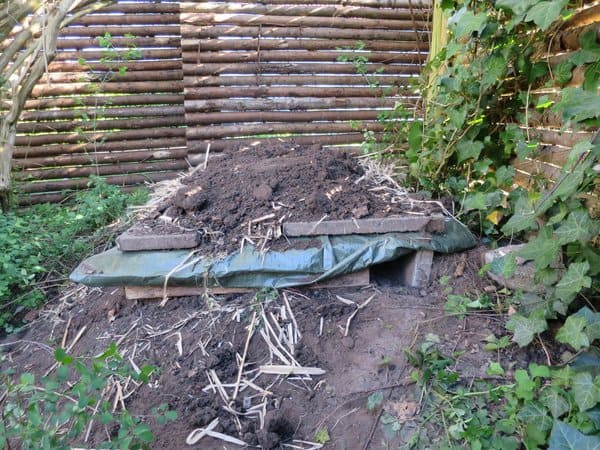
column 355, row 279
column 360, row 226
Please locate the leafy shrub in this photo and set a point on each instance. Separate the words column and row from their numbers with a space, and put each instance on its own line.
column 51, row 238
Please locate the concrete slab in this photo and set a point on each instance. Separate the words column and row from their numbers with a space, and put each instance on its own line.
column 359, row 226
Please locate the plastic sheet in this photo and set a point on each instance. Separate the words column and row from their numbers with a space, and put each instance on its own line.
column 336, row 255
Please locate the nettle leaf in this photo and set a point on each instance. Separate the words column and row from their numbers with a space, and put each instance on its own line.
column 566, row 437
column 555, row 401
column 563, row 72
column 525, row 328
column 468, row 149
column 585, row 391
column 573, row 281
column 577, row 104
column 465, row 23
column 572, row 333
column 374, row 400
column 543, row 249
column 578, row 227
column 544, row 13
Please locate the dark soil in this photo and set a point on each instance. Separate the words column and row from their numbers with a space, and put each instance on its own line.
column 277, row 184
column 213, row 333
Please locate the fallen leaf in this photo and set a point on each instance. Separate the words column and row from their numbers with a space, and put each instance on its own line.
column 403, row 410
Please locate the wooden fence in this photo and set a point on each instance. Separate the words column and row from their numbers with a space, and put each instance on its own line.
column 243, row 73
column 109, row 105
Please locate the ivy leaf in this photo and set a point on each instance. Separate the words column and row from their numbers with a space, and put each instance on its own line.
column 493, row 70
column 374, row 400
column 563, row 72
column 525, row 386
column 544, row 13
column 505, row 175
column 585, row 391
column 554, row 400
column 504, row 266
column 525, row 328
column 578, row 105
column 468, row 149
column 543, row 249
column 518, row 7
column 591, row 77
column 592, row 329
column 577, row 227
column 465, row 22
column 573, row 281
column 566, row 437
column 534, row 413
column 572, row 333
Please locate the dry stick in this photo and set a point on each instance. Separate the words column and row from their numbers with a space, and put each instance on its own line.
column 298, row 335
column 182, row 265
column 243, row 361
column 63, row 343
column 358, row 308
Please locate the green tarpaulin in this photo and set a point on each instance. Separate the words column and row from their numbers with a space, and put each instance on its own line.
column 336, row 255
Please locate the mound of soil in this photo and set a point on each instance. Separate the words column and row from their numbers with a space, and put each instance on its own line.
column 248, row 193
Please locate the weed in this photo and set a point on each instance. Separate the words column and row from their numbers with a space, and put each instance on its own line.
column 59, row 409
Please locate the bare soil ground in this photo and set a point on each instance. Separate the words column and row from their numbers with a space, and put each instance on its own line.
column 191, row 339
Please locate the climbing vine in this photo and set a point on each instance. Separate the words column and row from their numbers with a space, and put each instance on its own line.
column 493, row 74
column 486, row 91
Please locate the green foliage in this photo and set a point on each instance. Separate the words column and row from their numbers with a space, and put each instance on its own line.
column 540, row 405
column 464, row 146
column 50, row 239
column 56, row 411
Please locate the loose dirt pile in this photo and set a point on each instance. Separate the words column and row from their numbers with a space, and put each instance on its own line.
column 246, row 195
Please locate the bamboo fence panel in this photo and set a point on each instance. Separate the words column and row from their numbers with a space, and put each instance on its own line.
column 294, row 71
column 88, row 117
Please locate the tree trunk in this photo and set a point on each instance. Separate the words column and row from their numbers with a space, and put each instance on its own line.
column 7, row 140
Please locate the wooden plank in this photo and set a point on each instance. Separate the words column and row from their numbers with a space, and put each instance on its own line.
column 355, row 279
column 205, row 93
column 43, row 151
column 200, row 146
column 155, row 292
column 357, row 226
column 132, row 242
